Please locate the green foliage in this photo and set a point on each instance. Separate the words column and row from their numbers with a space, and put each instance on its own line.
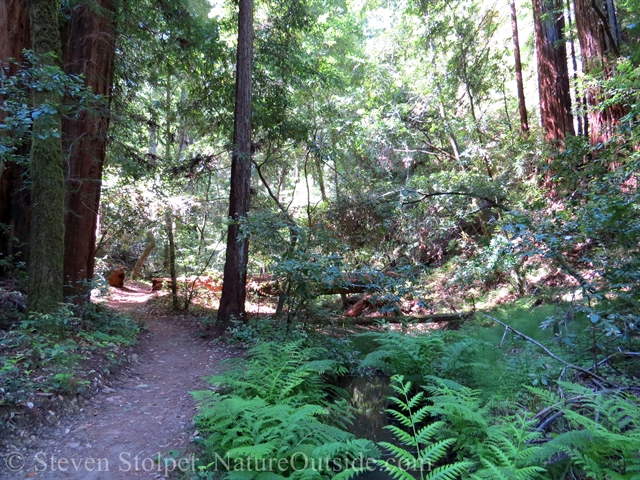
column 463, row 410
column 510, row 451
column 276, row 409
column 37, row 74
column 597, row 434
column 281, row 439
column 401, row 354
column 437, row 353
column 48, row 353
column 284, row 373
column 418, row 450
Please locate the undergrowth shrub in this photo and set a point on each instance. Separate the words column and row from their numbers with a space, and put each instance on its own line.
column 47, row 353
column 282, row 440
column 509, row 451
column 562, row 431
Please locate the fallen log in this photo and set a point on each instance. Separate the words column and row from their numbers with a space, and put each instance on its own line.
column 359, row 307
column 432, row 318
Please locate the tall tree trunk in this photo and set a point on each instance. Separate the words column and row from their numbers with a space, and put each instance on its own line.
column 553, row 72
column 47, row 175
column 522, row 106
column 168, row 219
column 598, row 33
column 15, row 196
column 89, row 50
column 582, row 125
column 232, row 300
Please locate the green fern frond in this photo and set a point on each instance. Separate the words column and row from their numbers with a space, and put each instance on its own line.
column 453, row 471
column 434, row 452
column 400, row 454
column 400, row 417
column 426, row 433
column 424, row 451
column 396, row 472
column 405, row 438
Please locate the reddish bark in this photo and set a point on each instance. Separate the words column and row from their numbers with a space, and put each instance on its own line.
column 15, row 201
column 89, row 49
column 115, row 277
column 232, row 301
column 359, row 307
column 598, row 34
column 553, row 72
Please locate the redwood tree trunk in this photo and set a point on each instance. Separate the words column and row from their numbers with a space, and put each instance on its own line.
column 232, row 301
column 598, row 34
column 89, row 50
column 47, row 176
column 553, row 72
column 522, row 106
column 15, row 198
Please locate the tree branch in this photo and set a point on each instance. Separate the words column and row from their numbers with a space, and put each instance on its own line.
column 550, row 353
column 493, row 202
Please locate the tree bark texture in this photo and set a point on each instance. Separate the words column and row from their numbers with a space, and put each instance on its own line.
column 522, row 106
column 47, row 175
column 15, row 197
column 89, row 50
column 553, row 71
column 598, row 33
column 232, row 300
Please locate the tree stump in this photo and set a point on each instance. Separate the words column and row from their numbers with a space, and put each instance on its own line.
column 115, row 277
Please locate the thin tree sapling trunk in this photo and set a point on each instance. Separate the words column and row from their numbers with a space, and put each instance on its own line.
column 151, row 244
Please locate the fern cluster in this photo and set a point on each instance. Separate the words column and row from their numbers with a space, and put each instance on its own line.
column 446, row 354
column 579, row 433
column 286, row 373
column 273, row 416
column 252, row 438
column 509, row 451
column 596, row 435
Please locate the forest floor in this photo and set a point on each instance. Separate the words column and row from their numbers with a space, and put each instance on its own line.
column 142, row 415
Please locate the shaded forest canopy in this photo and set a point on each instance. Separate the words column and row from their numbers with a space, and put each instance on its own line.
column 304, row 163
column 384, row 141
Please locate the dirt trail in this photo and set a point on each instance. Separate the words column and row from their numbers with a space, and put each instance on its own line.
column 145, row 411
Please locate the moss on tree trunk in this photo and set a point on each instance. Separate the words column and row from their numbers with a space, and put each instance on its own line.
column 47, row 176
